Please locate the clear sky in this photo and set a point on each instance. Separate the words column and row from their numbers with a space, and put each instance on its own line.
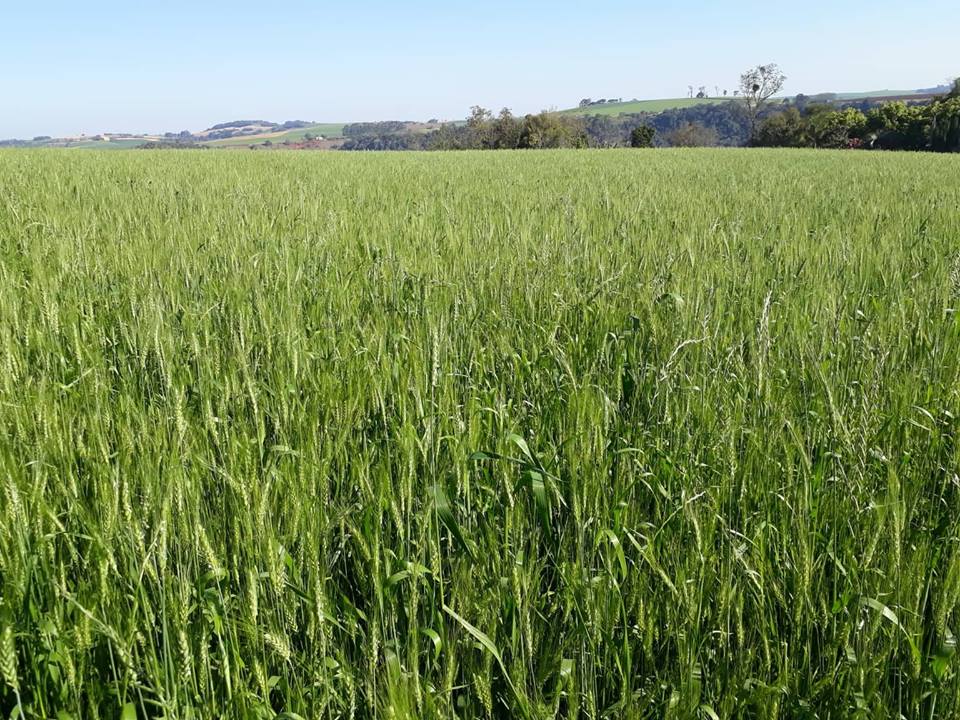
column 110, row 66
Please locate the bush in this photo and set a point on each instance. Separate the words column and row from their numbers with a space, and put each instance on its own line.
column 692, row 135
column 642, row 136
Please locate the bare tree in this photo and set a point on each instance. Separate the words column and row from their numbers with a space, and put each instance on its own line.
column 757, row 86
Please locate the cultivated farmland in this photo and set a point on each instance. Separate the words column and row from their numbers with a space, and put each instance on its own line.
column 646, row 106
column 573, row 434
column 328, row 130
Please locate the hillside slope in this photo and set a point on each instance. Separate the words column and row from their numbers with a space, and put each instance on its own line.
column 327, row 130
column 643, row 106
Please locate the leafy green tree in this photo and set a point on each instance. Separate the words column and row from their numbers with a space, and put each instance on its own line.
column 835, row 128
column 552, row 130
column 944, row 132
column 898, row 126
column 786, row 129
column 480, row 125
column 506, row 131
column 642, row 136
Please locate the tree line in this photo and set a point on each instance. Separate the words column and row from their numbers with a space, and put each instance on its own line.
column 890, row 126
column 756, row 117
column 482, row 131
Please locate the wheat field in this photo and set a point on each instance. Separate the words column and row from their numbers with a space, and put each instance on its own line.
column 573, row 434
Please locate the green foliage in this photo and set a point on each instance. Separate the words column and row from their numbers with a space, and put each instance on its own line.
column 374, row 128
column 898, row 126
column 890, row 126
column 944, row 132
column 479, row 435
column 818, row 126
column 642, row 136
column 835, row 128
column 483, row 131
column 789, row 128
column 551, row 130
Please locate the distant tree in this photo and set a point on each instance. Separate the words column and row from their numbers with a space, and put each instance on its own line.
column 824, row 126
column 552, row 130
column 403, row 141
column 702, row 92
column 725, row 92
column 478, row 116
column 831, row 128
column 586, row 102
column 897, row 126
column 944, row 130
column 479, row 123
column 785, row 129
column 383, row 127
column 758, row 85
column 642, row 136
column 506, row 130
column 690, row 91
column 692, row 135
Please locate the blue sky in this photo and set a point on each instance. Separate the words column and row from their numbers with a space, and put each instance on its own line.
column 68, row 67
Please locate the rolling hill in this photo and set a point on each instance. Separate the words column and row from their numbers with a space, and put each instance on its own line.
column 327, row 130
column 656, row 106
column 245, row 133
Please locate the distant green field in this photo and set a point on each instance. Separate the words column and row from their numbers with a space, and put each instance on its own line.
column 874, row 94
column 642, row 106
column 89, row 144
column 327, row 130
column 108, row 144
column 655, row 106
